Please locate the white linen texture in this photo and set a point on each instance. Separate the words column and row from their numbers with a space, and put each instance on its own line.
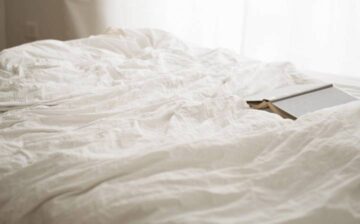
column 136, row 126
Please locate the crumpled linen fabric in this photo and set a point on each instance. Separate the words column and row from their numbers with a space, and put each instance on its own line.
column 137, row 126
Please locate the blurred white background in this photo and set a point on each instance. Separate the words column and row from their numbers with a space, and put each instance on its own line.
column 319, row 35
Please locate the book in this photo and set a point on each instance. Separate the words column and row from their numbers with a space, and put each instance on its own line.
column 294, row 101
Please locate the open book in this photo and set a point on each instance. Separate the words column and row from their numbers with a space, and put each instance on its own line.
column 294, row 101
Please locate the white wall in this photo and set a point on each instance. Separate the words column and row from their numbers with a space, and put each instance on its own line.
column 2, row 25
column 319, row 35
column 212, row 23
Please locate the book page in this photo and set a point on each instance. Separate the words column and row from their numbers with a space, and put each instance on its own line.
column 303, row 104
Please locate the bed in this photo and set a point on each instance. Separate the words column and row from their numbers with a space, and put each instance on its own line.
column 137, row 126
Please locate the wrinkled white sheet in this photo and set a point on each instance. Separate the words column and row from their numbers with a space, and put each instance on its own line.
column 135, row 126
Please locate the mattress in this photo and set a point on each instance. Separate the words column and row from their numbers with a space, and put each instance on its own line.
column 137, row 126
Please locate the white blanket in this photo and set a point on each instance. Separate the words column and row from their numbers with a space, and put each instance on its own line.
column 135, row 126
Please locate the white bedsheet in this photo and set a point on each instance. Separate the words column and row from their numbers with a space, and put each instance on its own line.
column 135, row 126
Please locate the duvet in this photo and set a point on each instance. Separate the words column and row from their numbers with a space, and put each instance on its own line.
column 136, row 126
